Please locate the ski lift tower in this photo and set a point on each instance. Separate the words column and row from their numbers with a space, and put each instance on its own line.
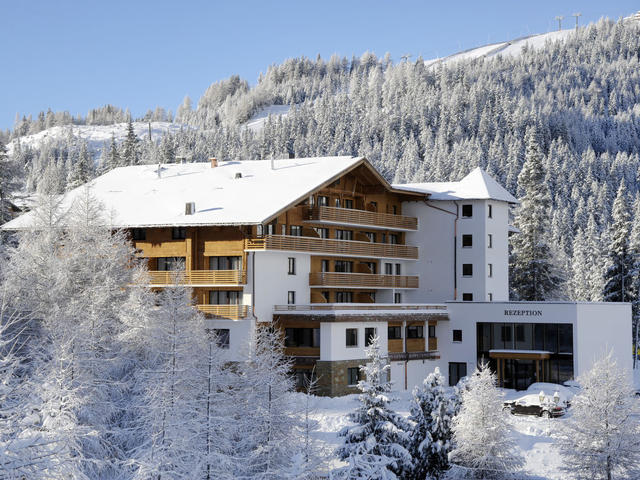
column 559, row 18
column 577, row 15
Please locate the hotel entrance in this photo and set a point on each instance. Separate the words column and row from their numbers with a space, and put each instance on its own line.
column 518, row 369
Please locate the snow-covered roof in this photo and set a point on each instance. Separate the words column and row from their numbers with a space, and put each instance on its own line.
column 478, row 185
column 138, row 196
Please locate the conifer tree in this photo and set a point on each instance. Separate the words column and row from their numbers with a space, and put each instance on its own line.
column 378, row 440
column 601, row 440
column 130, row 146
column 432, row 411
column 532, row 272
column 483, row 444
column 113, row 157
column 634, row 244
column 621, row 265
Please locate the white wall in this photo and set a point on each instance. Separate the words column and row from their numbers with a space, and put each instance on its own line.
column 333, row 340
column 272, row 282
column 240, row 336
column 600, row 327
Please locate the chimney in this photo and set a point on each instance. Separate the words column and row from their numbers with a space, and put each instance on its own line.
column 214, row 162
column 190, row 208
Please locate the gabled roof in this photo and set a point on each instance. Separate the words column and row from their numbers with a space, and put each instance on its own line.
column 478, row 185
column 138, row 196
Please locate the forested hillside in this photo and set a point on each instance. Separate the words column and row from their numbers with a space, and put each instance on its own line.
column 420, row 122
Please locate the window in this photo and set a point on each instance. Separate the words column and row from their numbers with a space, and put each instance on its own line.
column 291, row 297
column 505, row 334
column 373, row 267
column 336, row 183
column 394, row 333
column 324, row 265
column 352, row 337
column 371, row 236
column 490, row 270
column 271, row 228
column 302, row 337
column 347, row 203
column 312, row 200
column 467, row 297
column 343, row 266
column 178, row 233
column 388, row 268
column 457, row 335
column 395, row 209
column 225, row 263
column 490, row 211
column 323, row 201
column 490, row 241
column 292, row 266
column 467, row 211
column 259, row 230
column 224, row 297
column 398, row 268
column 337, row 203
column 467, row 241
column 374, row 206
column 303, row 377
column 222, row 337
column 325, row 295
column 344, row 235
column 344, row 297
column 296, row 230
column 393, row 238
column 322, row 232
column 353, row 376
column 432, row 331
column 384, row 238
column 397, row 298
column 369, row 333
column 456, row 372
column 169, row 264
column 139, row 234
column 490, row 296
column 415, row 331
column 467, row 269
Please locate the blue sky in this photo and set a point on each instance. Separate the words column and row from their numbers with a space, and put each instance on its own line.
column 75, row 55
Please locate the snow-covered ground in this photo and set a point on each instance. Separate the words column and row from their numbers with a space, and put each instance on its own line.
column 505, row 49
column 536, row 437
column 257, row 121
column 96, row 135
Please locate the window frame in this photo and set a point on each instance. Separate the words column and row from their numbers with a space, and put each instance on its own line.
column 178, row 233
column 350, row 335
column 368, row 335
column 139, row 234
column 351, row 376
column 395, row 329
column 467, row 240
column 467, row 297
column 456, row 332
column 467, row 270
column 292, row 266
column 415, row 331
column 468, row 207
column 291, row 297
column 223, row 337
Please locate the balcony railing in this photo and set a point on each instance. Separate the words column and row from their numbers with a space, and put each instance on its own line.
column 396, row 307
column 406, row 356
column 348, row 248
column 350, row 216
column 364, row 280
column 198, row 277
column 232, row 312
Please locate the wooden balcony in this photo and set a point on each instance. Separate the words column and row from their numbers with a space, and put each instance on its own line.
column 200, row 278
column 434, row 308
column 406, row 356
column 325, row 246
column 361, row 280
column 350, row 216
column 232, row 312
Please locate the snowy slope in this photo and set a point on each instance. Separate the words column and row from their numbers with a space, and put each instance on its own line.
column 257, row 121
column 510, row 48
column 95, row 135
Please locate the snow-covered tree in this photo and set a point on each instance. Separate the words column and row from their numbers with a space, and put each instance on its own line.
column 432, row 410
column 483, row 447
column 601, row 439
column 113, row 156
column 8, row 178
column 130, row 146
column 621, row 264
column 533, row 275
column 376, row 446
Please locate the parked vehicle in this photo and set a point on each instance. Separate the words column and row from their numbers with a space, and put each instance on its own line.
column 531, row 405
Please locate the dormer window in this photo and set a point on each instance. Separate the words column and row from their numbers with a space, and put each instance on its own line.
column 467, row 211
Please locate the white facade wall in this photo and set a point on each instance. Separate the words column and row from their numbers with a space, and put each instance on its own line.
column 600, row 327
column 271, row 282
column 498, row 254
column 240, row 337
column 435, row 241
column 333, row 340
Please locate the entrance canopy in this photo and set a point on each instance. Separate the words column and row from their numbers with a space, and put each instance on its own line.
column 520, row 354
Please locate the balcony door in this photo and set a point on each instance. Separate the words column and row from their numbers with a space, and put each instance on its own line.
column 170, row 264
column 225, row 263
column 224, row 297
